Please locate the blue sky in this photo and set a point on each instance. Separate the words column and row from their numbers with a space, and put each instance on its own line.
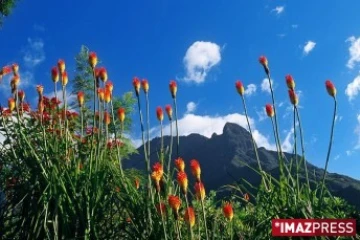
column 163, row 40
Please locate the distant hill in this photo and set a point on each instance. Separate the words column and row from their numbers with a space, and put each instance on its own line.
column 220, row 157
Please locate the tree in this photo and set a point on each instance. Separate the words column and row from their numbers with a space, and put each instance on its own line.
column 5, row 8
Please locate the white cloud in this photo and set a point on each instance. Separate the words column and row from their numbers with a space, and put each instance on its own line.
column 354, row 51
column 338, row 118
column 250, row 89
column 262, row 115
column 34, row 53
column 278, row 10
column 353, row 88
column 265, row 85
column 348, row 152
column 191, row 107
column 294, row 26
column 337, row 157
column 199, row 59
column 286, row 145
column 308, row 47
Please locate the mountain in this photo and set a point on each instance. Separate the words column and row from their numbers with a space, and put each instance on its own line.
column 222, row 160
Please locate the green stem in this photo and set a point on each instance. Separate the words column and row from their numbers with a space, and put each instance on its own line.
column 204, row 217
column 94, row 124
column 303, row 149
column 187, row 207
column 177, row 129
column 171, row 147
column 162, row 216
column 115, row 135
column 329, row 151
column 148, row 123
column 162, row 144
column 295, row 153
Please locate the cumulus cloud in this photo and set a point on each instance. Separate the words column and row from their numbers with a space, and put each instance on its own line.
column 354, row 51
column 199, row 59
column 250, row 89
column 191, row 107
column 278, row 10
column 308, row 47
column 353, row 88
column 34, row 52
column 265, row 85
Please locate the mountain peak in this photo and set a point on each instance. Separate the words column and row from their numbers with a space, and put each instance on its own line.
column 233, row 129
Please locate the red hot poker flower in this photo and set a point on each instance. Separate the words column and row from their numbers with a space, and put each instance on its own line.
column 11, row 104
column 107, row 119
column 121, row 114
column 264, row 62
column 64, row 78
column 182, row 181
column 159, row 114
column 15, row 68
column 293, row 97
column 81, row 98
column 6, row 70
column 107, row 95
column 92, row 59
column 136, row 84
column 173, row 88
column 103, row 74
column 109, row 86
column 157, row 167
column 189, row 216
column 239, row 87
column 145, row 85
column 101, row 94
column 228, row 211
column 61, row 66
column 175, row 203
column 169, row 111
column 330, row 88
column 200, row 191
column 156, row 177
column 195, row 169
column 180, row 164
column 269, row 110
column 55, row 74
column 21, row 95
column 290, row 81
column 137, row 183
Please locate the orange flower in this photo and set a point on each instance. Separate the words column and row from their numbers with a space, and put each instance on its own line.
column 81, row 99
column 159, row 114
column 269, row 110
column 290, row 81
column 180, row 164
column 40, row 89
column 263, row 61
column 15, row 68
column 121, row 114
column 145, row 85
column 137, row 183
column 21, row 95
column 92, row 59
column 293, row 97
column 195, row 169
column 161, row 209
column 107, row 95
column 15, row 80
column 61, row 66
column 228, row 211
column 189, row 216
column 6, row 70
column 103, row 74
column 173, row 88
column 156, row 177
column 240, row 87
column 174, row 202
column 109, row 86
column 330, row 88
column 136, row 84
column 107, row 119
column 169, row 111
column 182, row 181
column 55, row 74
column 157, row 167
column 101, row 94
column 64, row 78
column 199, row 191
column 11, row 104
column 246, row 197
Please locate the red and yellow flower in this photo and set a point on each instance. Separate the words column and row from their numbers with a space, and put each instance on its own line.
column 55, row 74
column 293, row 97
column 137, row 183
column 290, row 81
column 239, row 87
column 103, row 74
column 263, row 61
column 156, row 177
column 121, row 114
column 15, row 68
column 64, row 78
column 101, row 94
column 81, row 98
column 107, row 95
column 246, row 197
column 195, row 169
column 269, row 110
column 11, row 104
column 93, row 60
column 107, row 119
column 109, row 86
column 159, row 114
column 228, row 211
column 175, row 203
column 180, row 164
column 169, row 111
column 145, row 85
column 182, row 181
column 189, row 216
column 330, row 87
column 136, row 84
column 21, row 95
column 61, row 66
column 173, row 88
column 200, row 191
